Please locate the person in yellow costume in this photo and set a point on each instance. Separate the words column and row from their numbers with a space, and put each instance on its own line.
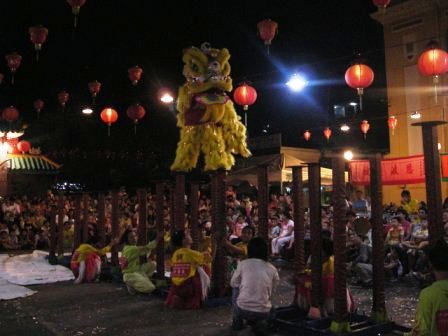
column 136, row 276
column 409, row 204
column 190, row 282
column 86, row 261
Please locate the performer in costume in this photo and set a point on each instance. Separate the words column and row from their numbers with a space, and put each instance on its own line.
column 86, row 261
column 136, row 276
column 303, row 290
column 190, row 282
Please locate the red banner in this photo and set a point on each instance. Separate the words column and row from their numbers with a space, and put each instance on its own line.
column 444, row 163
column 404, row 170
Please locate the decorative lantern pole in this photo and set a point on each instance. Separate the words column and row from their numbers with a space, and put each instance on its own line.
column 327, row 133
column 365, row 126
column 267, row 29
column 392, row 123
column 135, row 112
column 433, row 62
column 38, row 106
column 13, row 61
column 359, row 76
column 109, row 116
column 76, row 7
column 38, row 35
column 307, row 135
column 94, row 89
column 134, row 74
column 245, row 95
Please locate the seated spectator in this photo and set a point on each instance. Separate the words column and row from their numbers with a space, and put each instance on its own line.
column 255, row 278
column 24, row 240
column 395, row 235
column 5, row 242
column 276, row 227
column 392, row 265
column 285, row 236
column 362, row 265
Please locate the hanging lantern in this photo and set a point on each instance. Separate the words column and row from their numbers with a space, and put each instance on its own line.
column 381, row 4
column 13, row 61
column 365, row 126
column 23, row 146
column 392, row 123
column 245, row 95
column 94, row 88
column 109, row 116
column 267, row 29
column 76, row 7
column 38, row 105
column 433, row 62
column 134, row 74
column 38, row 35
column 135, row 113
column 359, row 76
column 307, row 135
column 327, row 133
column 63, row 98
column 10, row 114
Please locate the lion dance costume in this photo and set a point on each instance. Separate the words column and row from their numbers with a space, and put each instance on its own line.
column 207, row 117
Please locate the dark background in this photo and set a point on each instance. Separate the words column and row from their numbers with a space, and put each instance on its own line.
column 320, row 38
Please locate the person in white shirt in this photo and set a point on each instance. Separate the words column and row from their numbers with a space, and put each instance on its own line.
column 255, row 278
column 286, row 234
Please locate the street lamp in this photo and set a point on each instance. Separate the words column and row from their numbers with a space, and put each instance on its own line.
column 297, row 82
column 348, row 155
column 167, row 98
column 87, row 110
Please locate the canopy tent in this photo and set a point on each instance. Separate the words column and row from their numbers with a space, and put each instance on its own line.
column 279, row 164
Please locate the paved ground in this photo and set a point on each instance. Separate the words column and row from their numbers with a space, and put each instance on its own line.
column 107, row 309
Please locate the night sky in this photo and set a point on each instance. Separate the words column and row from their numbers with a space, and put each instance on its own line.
column 320, row 38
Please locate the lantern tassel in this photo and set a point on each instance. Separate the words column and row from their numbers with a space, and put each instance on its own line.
column 245, row 118
column 435, row 81
column 108, row 130
column 135, row 128
column 12, row 79
column 360, row 93
column 37, row 55
column 75, row 21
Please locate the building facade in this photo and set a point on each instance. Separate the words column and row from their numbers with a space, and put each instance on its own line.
column 409, row 26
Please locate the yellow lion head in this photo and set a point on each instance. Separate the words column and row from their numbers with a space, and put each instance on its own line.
column 207, row 69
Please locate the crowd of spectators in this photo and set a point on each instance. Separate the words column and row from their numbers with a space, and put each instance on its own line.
column 25, row 225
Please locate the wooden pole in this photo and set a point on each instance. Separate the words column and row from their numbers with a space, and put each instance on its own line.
column 379, row 313
column 53, row 235
column 263, row 199
column 299, row 218
column 194, row 214
column 219, row 268
column 142, row 219
column 101, row 219
column 115, row 225
column 60, row 224
column 179, row 196
column 432, row 178
column 172, row 210
column 85, row 217
column 340, row 323
column 160, row 249
column 316, row 239
column 77, row 218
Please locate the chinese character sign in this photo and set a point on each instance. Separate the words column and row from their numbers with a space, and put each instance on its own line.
column 404, row 170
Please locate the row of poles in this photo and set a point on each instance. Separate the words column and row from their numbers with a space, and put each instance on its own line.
column 218, row 185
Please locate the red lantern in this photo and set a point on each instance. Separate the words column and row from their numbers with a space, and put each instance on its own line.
column 10, row 114
column 13, row 60
column 76, row 7
column 433, row 62
column 109, row 116
column 381, row 4
column 38, row 105
column 134, row 74
column 365, row 126
column 23, row 146
column 359, row 76
column 327, row 133
column 94, row 88
column 245, row 95
column 63, row 98
column 392, row 123
column 38, row 35
column 135, row 113
column 307, row 135
column 267, row 29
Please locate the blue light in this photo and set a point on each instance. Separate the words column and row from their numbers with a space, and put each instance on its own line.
column 297, row 83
